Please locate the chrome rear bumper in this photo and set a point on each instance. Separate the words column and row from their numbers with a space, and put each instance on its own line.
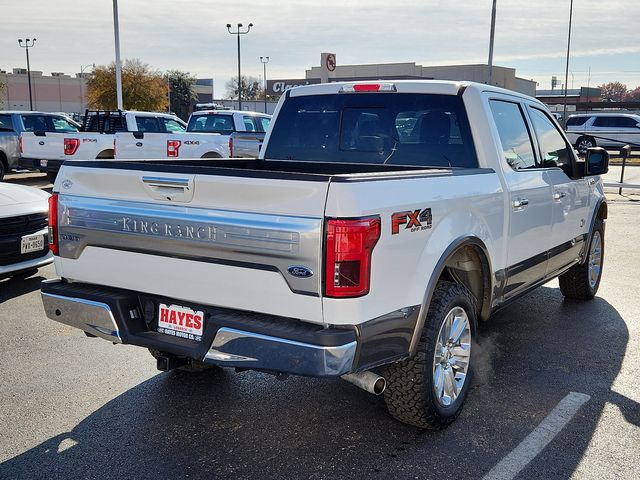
column 230, row 347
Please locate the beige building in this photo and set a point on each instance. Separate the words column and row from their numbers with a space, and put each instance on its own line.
column 51, row 93
column 502, row 76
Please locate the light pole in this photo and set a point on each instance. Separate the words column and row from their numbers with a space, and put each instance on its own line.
column 28, row 43
column 239, row 32
column 116, row 34
column 491, row 38
column 264, row 61
column 566, row 72
column 82, row 69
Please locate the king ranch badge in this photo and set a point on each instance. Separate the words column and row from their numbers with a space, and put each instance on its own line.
column 180, row 321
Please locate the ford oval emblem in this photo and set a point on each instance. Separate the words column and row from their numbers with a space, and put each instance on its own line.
column 138, row 144
column 40, row 142
column 300, row 271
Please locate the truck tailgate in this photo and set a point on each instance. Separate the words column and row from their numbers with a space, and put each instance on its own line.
column 181, row 232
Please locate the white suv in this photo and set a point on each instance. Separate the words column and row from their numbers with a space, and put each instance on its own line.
column 603, row 130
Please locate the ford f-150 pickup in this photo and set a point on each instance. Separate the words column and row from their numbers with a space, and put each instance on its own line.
column 381, row 222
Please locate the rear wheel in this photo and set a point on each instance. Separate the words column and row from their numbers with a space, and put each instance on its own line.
column 581, row 281
column 429, row 390
column 585, row 142
column 193, row 366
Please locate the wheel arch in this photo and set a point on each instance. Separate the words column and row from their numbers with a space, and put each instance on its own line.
column 466, row 261
column 212, row 154
column 106, row 153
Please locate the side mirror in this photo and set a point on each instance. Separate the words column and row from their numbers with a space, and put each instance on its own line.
column 597, row 161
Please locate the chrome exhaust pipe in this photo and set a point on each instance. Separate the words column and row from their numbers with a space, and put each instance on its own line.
column 368, row 381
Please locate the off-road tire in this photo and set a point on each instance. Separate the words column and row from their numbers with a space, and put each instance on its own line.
column 575, row 283
column 409, row 394
column 194, row 366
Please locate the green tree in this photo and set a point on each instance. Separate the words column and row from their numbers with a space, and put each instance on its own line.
column 613, row 91
column 251, row 88
column 142, row 87
column 183, row 92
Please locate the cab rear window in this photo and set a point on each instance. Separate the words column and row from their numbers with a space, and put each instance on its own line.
column 387, row 128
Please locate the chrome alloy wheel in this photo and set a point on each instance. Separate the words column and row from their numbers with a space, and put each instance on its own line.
column 595, row 259
column 584, row 144
column 451, row 357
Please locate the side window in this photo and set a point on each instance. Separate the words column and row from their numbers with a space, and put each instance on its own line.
column 5, row 123
column 604, row 122
column 34, row 123
column 553, row 147
column 61, row 125
column 626, row 122
column 249, row 124
column 514, row 134
column 577, row 121
column 263, row 123
column 172, row 126
column 147, row 124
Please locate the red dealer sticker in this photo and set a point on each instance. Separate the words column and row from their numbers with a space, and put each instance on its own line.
column 180, row 322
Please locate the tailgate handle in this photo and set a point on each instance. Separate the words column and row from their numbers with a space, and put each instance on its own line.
column 138, row 135
column 179, row 183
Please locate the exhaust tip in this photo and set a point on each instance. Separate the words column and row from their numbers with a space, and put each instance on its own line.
column 367, row 380
column 379, row 386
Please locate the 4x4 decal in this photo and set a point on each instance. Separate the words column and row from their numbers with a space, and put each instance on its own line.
column 415, row 220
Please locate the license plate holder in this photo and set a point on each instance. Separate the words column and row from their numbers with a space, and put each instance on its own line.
column 180, row 321
column 31, row 243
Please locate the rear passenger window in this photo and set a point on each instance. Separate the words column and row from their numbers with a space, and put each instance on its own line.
column 576, row 121
column 34, row 123
column 147, row 124
column 5, row 123
column 249, row 124
column 553, row 148
column 264, row 123
column 514, row 134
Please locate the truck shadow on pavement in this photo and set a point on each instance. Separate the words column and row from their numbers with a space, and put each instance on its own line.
column 219, row 424
column 17, row 286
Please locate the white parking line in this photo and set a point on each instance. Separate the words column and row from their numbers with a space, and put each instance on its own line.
column 537, row 440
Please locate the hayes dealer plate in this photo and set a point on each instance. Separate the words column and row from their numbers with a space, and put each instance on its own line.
column 180, row 322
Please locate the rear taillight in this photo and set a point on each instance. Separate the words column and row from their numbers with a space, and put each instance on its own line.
column 71, row 145
column 173, row 148
column 53, row 223
column 20, row 144
column 349, row 245
column 230, row 146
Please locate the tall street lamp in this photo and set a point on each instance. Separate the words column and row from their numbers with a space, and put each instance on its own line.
column 566, row 72
column 82, row 69
column 239, row 32
column 491, row 39
column 27, row 44
column 264, row 61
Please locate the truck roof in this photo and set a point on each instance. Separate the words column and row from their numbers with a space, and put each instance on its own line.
column 443, row 87
column 229, row 112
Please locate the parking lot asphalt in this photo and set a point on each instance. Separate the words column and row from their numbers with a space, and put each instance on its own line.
column 75, row 407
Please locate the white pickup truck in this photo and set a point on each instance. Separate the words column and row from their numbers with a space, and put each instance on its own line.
column 210, row 134
column 47, row 151
column 381, row 222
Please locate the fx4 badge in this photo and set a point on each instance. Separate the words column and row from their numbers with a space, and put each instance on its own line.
column 415, row 220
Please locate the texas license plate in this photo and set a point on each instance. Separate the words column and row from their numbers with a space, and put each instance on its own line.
column 31, row 243
column 179, row 321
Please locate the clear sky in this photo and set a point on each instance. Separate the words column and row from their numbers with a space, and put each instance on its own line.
column 531, row 35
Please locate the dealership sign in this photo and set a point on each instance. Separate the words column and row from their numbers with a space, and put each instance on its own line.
column 278, row 87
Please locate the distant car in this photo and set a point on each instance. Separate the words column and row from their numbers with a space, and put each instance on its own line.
column 24, row 244
column 603, row 130
column 14, row 123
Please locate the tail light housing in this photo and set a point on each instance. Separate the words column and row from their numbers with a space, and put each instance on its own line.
column 53, row 223
column 230, row 146
column 349, row 245
column 173, row 148
column 71, row 145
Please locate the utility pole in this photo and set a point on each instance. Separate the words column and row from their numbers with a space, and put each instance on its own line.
column 116, row 34
column 28, row 43
column 239, row 32
column 491, row 38
column 566, row 72
column 264, row 61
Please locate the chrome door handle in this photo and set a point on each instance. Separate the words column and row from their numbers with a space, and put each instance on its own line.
column 520, row 203
column 559, row 195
